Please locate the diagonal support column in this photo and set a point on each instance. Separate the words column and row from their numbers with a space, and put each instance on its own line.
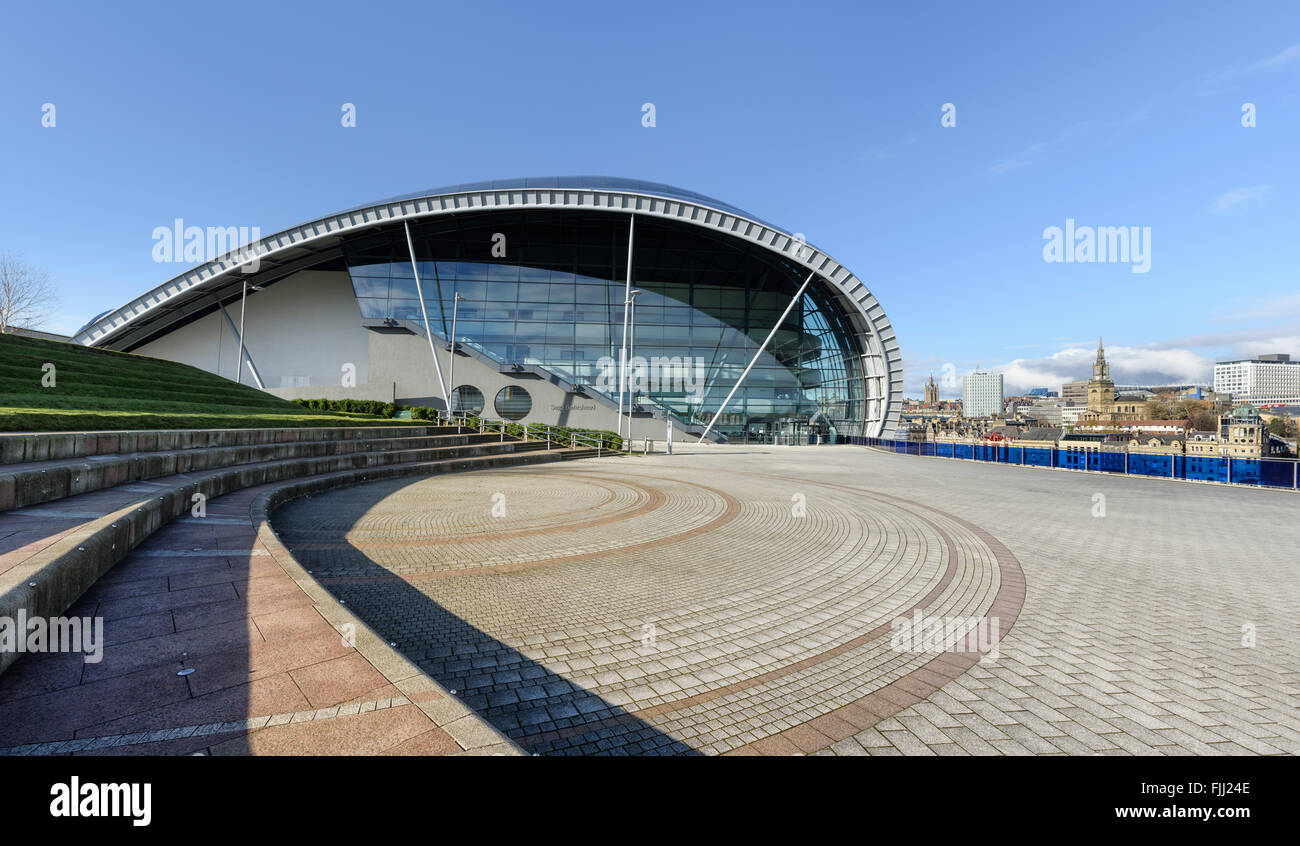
column 622, row 358
column 419, row 292
column 244, row 354
column 752, row 361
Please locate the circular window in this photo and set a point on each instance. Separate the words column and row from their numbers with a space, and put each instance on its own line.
column 466, row 399
column 513, row 402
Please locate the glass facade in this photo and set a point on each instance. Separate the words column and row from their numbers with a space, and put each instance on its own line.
column 546, row 287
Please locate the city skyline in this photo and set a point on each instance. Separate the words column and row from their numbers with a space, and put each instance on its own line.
column 1140, row 365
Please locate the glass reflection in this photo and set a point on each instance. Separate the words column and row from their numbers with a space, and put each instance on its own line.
column 555, row 299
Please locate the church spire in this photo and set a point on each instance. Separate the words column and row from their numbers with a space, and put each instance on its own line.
column 1100, row 370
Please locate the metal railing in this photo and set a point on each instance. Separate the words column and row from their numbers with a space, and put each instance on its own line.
column 1268, row 472
column 553, row 437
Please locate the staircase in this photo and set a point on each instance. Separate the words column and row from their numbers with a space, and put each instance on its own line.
column 73, row 504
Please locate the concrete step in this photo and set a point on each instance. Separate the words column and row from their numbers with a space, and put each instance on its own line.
column 22, row 447
column 35, row 482
column 49, row 557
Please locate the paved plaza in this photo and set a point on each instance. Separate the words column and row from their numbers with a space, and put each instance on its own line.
column 747, row 600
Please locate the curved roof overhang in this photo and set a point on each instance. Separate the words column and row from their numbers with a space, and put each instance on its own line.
column 179, row 300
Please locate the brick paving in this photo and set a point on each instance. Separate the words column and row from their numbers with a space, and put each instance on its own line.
column 686, row 604
column 271, row 669
column 718, row 601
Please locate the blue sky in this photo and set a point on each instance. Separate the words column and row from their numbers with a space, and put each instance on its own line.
column 823, row 118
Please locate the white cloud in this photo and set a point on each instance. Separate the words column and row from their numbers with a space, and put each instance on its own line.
column 1270, row 308
column 1271, row 63
column 1166, row 363
column 1128, row 366
column 1020, row 159
column 1282, row 59
column 1237, row 197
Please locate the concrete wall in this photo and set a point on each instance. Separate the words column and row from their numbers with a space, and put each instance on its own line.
column 401, row 370
column 301, row 329
column 300, row 332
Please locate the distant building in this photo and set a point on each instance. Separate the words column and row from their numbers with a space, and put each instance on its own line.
column 1076, row 392
column 1242, row 434
column 1157, row 444
column 932, row 392
column 37, row 333
column 982, row 394
column 1040, row 392
column 1137, row 427
column 1105, row 403
column 1269, row 379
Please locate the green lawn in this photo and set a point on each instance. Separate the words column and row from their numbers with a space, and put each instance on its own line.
column 100, row 389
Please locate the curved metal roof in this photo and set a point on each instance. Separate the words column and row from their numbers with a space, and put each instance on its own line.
column 91, row 322
column 608, row 183
column 197, row 291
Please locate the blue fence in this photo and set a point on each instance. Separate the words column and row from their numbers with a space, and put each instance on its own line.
column 1261, row 472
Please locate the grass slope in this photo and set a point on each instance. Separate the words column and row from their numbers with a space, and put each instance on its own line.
column 101, row 389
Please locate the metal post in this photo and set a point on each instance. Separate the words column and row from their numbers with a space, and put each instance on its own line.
column 239, row 364
column 754, row 360
column 451, row 368
column 234, row 330
column 631, row 342
column 668, row 439
column 239, row 360
column 627, row 297
column 419, row 292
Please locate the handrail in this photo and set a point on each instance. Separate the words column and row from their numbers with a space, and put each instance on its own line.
column 531, row 431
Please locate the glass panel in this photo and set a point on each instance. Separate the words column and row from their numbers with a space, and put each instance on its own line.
column 513, row 402
column 467, row 399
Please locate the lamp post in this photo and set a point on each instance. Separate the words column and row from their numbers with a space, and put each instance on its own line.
column 451, row 368
column 630, row 307
column 243, row 306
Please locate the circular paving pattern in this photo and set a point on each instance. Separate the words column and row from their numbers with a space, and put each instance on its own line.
column 605, row 607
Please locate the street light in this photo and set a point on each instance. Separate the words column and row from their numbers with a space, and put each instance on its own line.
column 630, row 305
column 243, row 304
column 451, row 370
